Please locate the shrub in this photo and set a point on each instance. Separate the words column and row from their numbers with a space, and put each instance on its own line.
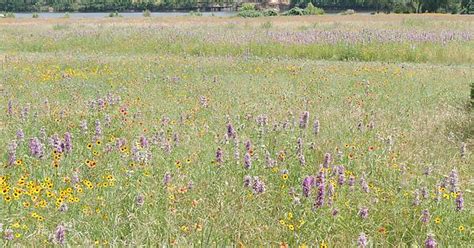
column 312, row 10
column 270, row 12
column 146, row 13
column 296, row 11
column 195, row 13
column 7, row 15
column 114, row 14
column 35, row 15
column 249, row 13
column 247, row 6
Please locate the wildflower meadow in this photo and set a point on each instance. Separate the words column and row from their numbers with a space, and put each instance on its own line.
column 311, row 131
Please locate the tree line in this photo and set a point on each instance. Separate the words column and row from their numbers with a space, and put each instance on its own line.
column 399, row 6
column 102, row 5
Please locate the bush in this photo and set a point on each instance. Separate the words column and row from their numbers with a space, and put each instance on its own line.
column 195, row 13
column 249, row 13
column 114, row 14
column 270, row 12
column 247, row 6
column 312, row 10
column 35, row 15
column 7, row 15
column 146, row 13
column 296, row 11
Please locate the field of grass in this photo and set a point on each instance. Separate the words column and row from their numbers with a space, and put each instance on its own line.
column 336, row 131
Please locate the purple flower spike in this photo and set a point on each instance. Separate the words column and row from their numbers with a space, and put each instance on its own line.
column 425, row 216
column 36, row 148
column 98, row 130
column 459, row 202
column 316, row 127
column 143, row 141
column 362, row 240
column 327, row 160
column 304, row 119
column 307, row 185
column 247, row 161
column 67, row 142
column 258, row 186
column 230, row 131
column 167, row 178
column 140, row 200
column 219, row 156
column 8, row 235
column 247, row 181
column 430, row 242
column 319, row 202
column 20, row 135
column 12, row 152
column 60, row 234
column 364, row 212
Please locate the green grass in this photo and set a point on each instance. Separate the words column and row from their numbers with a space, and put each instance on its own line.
column 420, row 105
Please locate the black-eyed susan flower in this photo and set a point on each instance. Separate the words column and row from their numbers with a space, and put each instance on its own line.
column 291, row 227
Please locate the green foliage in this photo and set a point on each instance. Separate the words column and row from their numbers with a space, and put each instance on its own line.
column 270, row 12
column 312, row 10
column 7, row 15
column 296, row 11
column 400, row 8
column 249, row 10
column 467, row 7
column 247, row 6
column 309, row 10
column 114, row 14
column 146, row 13
column 195, row 13
column 35, row 15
